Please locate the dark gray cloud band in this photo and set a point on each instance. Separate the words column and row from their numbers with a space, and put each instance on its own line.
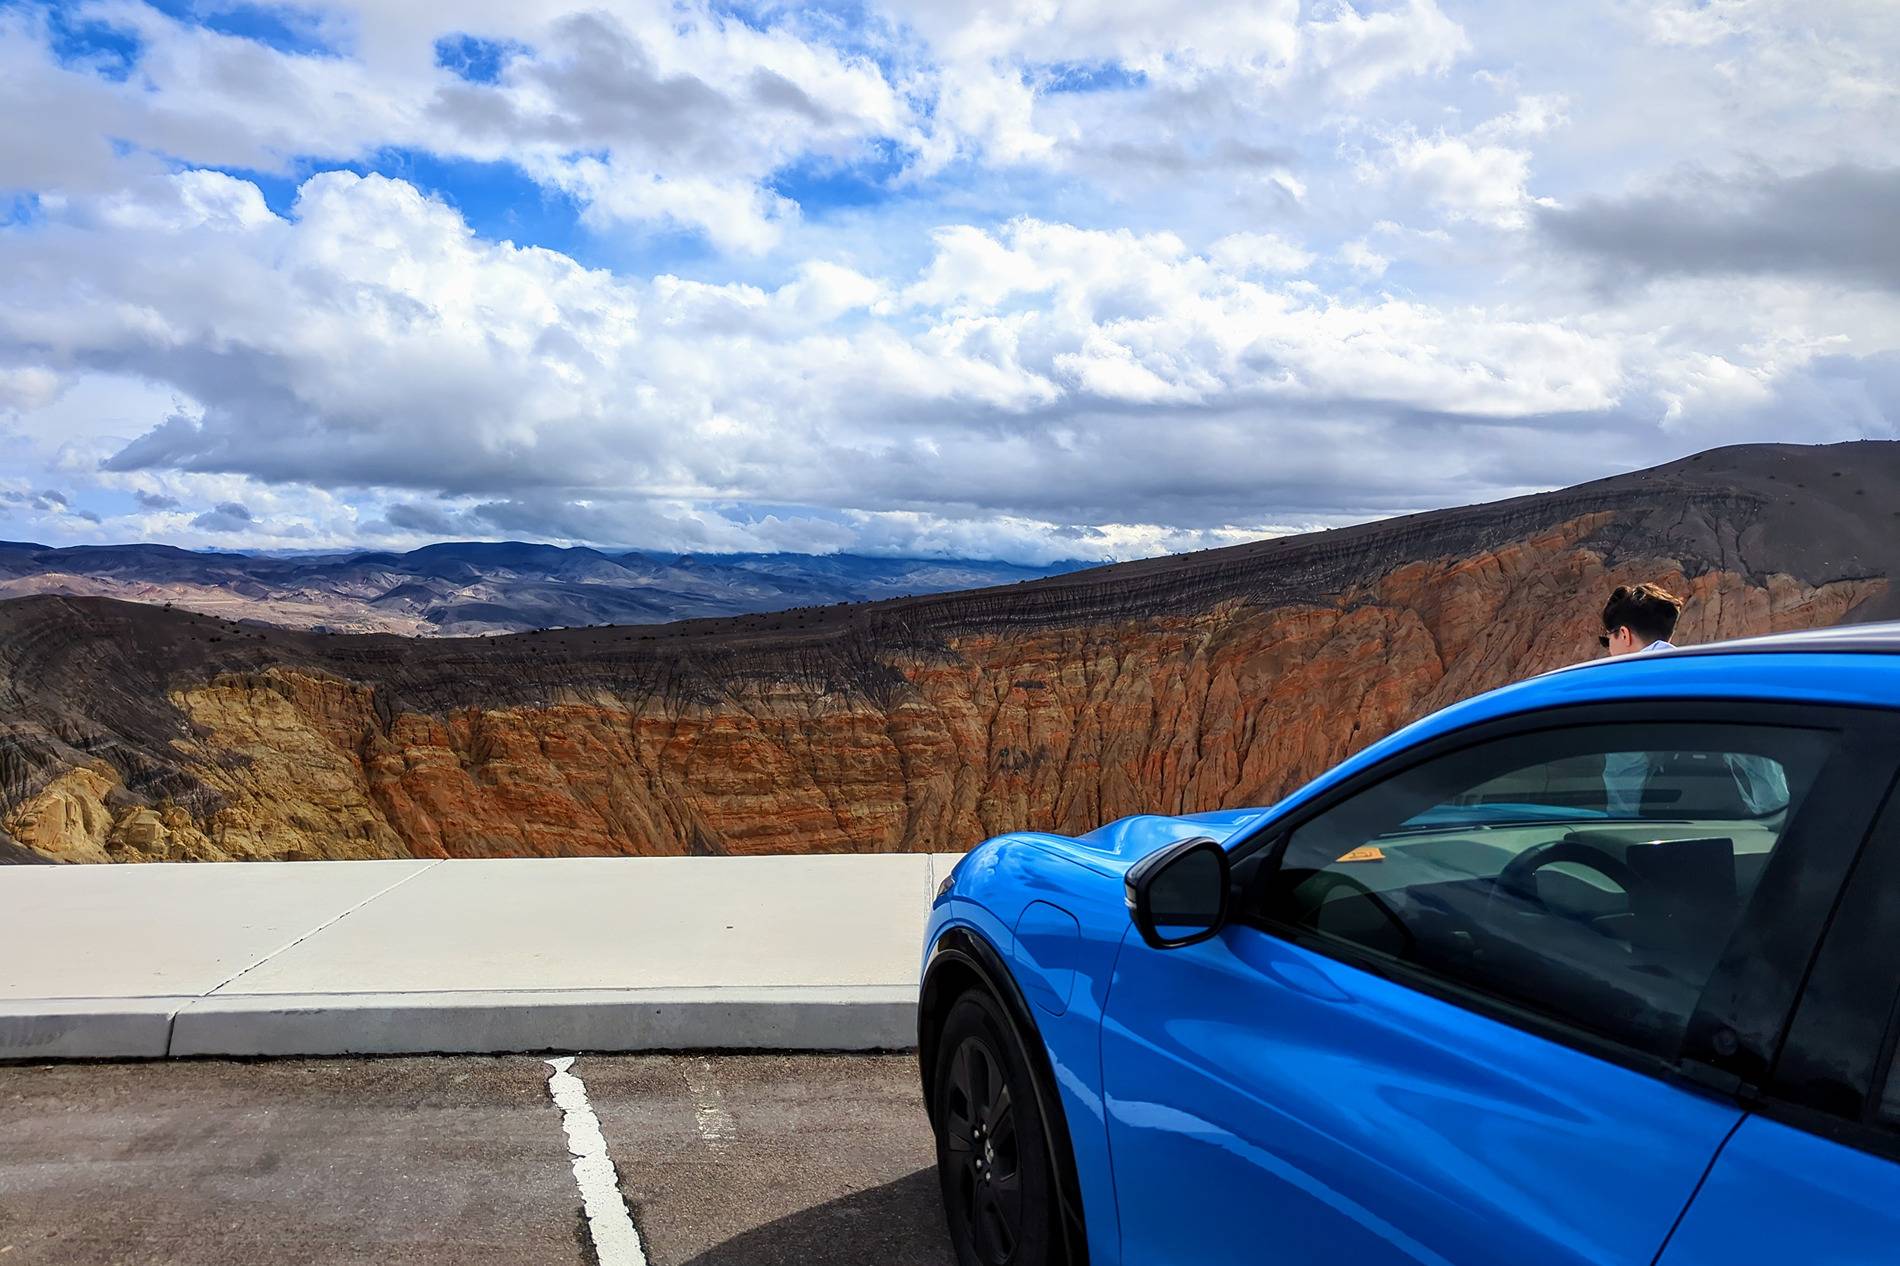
column 1838, row 222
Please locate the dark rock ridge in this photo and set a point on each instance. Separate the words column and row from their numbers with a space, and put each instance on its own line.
column 1219, row 678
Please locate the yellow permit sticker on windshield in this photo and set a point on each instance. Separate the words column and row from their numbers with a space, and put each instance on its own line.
column 1365, row 853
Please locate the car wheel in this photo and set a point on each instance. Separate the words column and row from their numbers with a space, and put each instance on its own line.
column 998, row 1188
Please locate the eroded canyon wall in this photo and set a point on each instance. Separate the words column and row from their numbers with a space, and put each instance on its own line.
column 1056, row 725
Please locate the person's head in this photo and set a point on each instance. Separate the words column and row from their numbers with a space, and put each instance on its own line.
column 1636, row 616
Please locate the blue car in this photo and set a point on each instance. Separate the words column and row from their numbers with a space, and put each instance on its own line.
column 1597, row 968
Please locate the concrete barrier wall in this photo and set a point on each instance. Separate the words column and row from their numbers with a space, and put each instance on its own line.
column 339, row 958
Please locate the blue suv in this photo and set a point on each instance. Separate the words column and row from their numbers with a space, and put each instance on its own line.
column 1597, row 968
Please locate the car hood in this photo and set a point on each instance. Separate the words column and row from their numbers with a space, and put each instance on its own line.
column 1115, row 847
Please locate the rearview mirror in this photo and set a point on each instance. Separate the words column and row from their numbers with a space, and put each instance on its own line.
column 1178, row 895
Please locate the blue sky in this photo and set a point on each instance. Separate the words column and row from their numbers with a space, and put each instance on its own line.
column 1090, row 280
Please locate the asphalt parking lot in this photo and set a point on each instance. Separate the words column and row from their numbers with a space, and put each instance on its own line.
column 721, row 1161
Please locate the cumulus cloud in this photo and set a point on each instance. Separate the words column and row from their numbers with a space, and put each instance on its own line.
column 1363, row 260
column 1075, row 280
column 648, row 113
column 1481, row 177
column 50, row 504
column 1361, row 51
column 27, row 386
column 1162, row 98
column 390, row 347
column 226, row 516
column 50, row 500
column 1241, row 253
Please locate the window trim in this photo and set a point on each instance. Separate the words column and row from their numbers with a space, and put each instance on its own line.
column 1828, row 1031
column 1750, row 985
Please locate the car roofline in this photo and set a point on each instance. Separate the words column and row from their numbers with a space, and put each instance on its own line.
column 1864, row 639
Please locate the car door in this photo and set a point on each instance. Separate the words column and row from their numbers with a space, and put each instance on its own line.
column 1407, row 1049
column 1813, row 1174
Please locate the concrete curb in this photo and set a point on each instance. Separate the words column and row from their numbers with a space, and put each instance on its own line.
column 791, row 1018
column 87, row 1028
column 851, row 1018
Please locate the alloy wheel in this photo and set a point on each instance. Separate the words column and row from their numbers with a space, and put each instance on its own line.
column 985, row 1156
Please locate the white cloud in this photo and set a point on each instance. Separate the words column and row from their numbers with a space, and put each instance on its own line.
column 1532, row 117
column 191, row 199
column 645, row 112
column 27, row 386
column 1362, row 51
column 1362, row 259
column 1259, row 252
column 1140, row 96
column 1698, row 381
column 1103, row 276
column 373, row 341
column 1037, row 540
column 1464, row 178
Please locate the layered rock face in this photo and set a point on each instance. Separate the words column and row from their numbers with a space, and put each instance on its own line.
column 1173, row 685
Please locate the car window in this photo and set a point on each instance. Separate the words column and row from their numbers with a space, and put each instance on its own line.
column 1594, row 874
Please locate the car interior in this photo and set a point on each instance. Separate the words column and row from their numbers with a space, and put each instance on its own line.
column 1527, row 886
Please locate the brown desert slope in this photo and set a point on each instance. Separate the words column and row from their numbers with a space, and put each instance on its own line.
column 129, row 732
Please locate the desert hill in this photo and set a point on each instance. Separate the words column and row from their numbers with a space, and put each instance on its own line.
column 1176, row 684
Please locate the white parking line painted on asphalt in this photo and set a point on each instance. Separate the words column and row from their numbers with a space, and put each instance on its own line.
column 609, row 1225
column 709, row 1107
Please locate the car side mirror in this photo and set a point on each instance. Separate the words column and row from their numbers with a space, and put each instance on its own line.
column 1178, row 895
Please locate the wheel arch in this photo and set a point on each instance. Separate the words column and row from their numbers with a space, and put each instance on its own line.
column 962, row 960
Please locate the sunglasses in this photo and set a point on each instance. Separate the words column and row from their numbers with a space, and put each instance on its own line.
column 1603, row 640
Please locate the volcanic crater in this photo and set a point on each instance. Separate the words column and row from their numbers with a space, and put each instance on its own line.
column 130, row 732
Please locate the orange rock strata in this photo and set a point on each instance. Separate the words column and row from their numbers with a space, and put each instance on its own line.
column 1051, row 725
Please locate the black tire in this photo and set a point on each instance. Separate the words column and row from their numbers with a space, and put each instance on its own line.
column 999, row 1191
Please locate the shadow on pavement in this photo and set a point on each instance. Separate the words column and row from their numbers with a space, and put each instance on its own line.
column 898, row 1224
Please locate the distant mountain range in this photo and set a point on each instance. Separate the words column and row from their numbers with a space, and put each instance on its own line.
column 474, row 587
